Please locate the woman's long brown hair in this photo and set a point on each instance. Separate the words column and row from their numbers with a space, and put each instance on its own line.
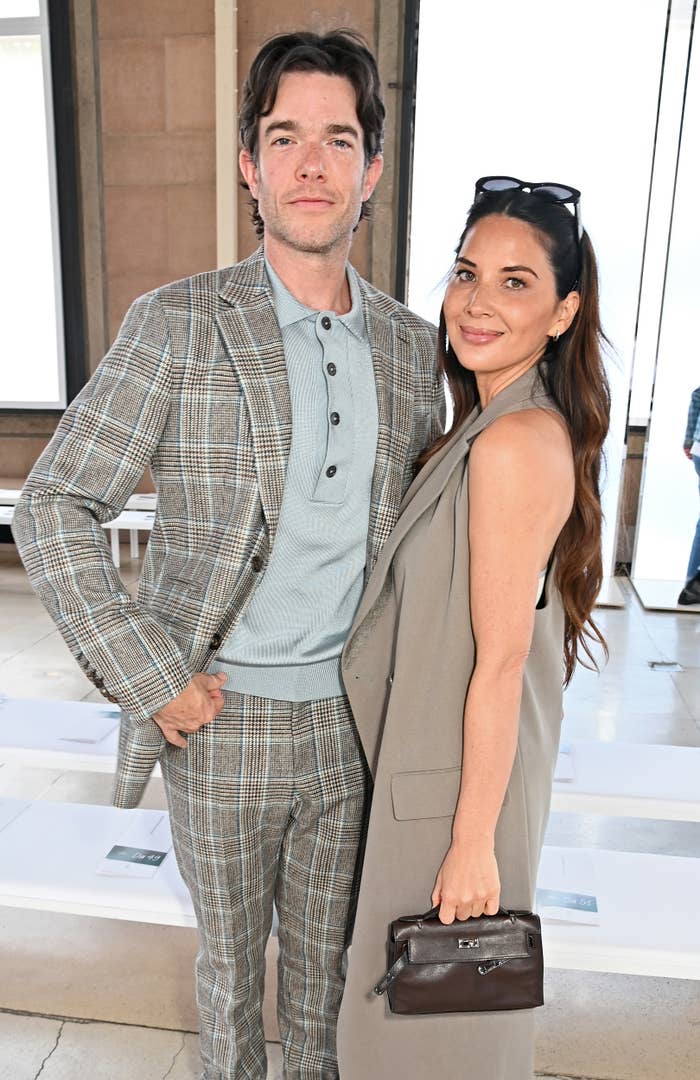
column 573, row 373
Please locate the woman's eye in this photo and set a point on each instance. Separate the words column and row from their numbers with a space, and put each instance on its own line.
column 462, row 274
column 515, row 283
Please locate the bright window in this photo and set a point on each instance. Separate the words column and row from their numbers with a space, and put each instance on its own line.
column 32, row 372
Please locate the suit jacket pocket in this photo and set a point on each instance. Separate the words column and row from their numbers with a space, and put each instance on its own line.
column 430, row 793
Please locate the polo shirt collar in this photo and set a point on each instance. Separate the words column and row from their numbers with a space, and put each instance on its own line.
column 289, row 310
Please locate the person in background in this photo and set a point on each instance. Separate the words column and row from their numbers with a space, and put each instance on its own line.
column 475, row 615
column 281, row 405
column 690, row 593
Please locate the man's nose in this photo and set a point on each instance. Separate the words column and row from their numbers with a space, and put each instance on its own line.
column 311, row 165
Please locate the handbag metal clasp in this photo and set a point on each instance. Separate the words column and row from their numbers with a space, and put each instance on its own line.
column 468, row 943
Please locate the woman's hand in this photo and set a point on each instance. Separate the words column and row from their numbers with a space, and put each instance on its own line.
column 467, row 883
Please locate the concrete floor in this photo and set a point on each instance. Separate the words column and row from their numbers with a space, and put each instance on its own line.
column 99, row 998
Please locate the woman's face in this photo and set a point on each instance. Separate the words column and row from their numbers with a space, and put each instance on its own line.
column 501, row 303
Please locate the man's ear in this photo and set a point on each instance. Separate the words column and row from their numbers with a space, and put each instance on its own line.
column 372, row 173
column 249, row 169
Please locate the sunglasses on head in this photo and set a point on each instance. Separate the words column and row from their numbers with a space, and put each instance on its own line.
column 560, row 193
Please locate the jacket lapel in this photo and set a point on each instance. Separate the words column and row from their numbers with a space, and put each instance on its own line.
column 393, row 376
column 252, row 339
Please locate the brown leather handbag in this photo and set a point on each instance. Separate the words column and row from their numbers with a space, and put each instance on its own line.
column 484, row 964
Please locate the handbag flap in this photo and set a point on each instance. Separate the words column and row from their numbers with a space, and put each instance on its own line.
column 506, row 936
column 461, row 944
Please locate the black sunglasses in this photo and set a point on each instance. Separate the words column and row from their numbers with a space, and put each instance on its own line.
column 560, row 193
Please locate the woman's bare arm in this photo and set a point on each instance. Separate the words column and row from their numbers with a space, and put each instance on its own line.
column 521, row 487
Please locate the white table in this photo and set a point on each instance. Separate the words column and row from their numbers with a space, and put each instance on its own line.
column 80, row 736
column 50, row 852
column 134, row 521
column 618, row 779
column 631, row 780
column 648, row 908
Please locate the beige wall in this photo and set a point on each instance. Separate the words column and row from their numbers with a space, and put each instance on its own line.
column 156, row 62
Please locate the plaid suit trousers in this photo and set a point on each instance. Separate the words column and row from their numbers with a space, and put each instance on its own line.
column 268, row 802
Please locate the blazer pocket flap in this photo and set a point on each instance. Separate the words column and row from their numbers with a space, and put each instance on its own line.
column 431, row 793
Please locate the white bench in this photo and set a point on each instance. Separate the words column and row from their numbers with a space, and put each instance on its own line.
column 50, row 852
column 137, row 516
column 80, row 736
column 618, row 779
column 629, row 780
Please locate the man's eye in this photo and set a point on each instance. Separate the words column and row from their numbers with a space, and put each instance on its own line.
column 282, row 141
column 343, row 144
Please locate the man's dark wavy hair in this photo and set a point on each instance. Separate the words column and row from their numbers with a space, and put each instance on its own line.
column 339, row 52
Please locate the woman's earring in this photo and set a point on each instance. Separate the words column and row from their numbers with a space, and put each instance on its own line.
column 556, row 335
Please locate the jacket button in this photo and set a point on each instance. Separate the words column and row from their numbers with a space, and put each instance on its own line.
column 216, row 640
column 256, row 563
column 99, row 683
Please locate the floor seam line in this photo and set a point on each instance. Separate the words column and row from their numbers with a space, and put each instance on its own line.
column 52, row 1050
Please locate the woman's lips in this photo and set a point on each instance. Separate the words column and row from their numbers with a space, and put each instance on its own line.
column 475, row 336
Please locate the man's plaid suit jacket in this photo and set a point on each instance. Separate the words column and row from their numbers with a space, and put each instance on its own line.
column 195, row 387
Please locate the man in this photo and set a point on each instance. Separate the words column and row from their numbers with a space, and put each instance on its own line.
column 690, row 593
column 281, row 405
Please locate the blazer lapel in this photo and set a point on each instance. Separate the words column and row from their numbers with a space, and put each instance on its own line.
column 393, row 375
column 251, row 335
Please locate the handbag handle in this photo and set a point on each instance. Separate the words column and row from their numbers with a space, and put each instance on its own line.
column 433, row 913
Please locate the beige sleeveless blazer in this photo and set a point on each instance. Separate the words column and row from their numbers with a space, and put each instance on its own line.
column 407, row 665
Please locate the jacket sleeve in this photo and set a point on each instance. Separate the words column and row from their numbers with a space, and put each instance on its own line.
column 693, row 423
column 101, row 448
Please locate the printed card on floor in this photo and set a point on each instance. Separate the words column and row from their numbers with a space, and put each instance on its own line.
column 141, row 849
column 566, row 888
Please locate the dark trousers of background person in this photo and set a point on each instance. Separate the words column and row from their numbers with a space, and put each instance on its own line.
column 694, row 561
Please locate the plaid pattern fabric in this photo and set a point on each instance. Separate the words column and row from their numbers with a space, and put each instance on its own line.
column 268, row 802
column 692, row 427
column 195, row 386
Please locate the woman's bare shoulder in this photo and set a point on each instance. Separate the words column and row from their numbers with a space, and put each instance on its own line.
column 528, row 451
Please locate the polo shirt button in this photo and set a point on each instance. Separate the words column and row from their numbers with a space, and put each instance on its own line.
column 335, row 418
column 326, row 323
column 331, row 470
column 256, row 564
column 331, row 369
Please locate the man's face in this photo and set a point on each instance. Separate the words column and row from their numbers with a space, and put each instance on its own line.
column 310, row 177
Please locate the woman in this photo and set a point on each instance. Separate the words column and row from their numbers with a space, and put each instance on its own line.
column 474, row 618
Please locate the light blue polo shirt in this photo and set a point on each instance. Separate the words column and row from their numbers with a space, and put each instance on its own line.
column 288, row 643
